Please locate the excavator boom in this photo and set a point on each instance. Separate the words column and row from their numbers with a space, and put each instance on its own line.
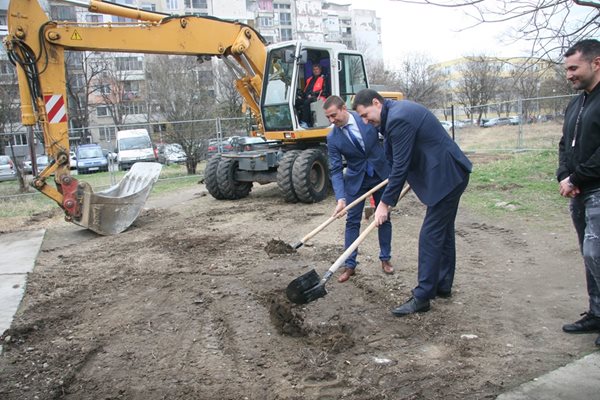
column 36, row 45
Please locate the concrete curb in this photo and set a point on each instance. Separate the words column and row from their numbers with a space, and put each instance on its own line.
column 579, row 380
column 19, row 251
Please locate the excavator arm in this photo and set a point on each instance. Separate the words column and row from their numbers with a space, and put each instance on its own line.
column 36, row 45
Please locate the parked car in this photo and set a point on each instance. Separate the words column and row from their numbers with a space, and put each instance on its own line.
column 90, row 158
column 219, row 146
column 497, row 122
column 7, row 170
column 171, row 153
column 41, row 161
column 516, row 120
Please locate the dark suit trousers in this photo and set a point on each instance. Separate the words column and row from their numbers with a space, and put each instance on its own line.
column 354, row 217
column 437, row 247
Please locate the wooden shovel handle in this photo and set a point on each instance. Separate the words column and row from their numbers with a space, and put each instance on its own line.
column 334, row 267
column 339, row 214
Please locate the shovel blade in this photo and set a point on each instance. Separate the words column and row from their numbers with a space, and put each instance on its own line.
column 305, row 288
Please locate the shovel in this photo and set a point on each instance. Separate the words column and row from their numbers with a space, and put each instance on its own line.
column 319, row 228
column 309, row 287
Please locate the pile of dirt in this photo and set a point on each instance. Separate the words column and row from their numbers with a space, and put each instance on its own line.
column 277, row 246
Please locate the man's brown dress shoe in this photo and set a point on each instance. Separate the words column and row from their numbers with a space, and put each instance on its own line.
column 348, row 272
column 387, row 267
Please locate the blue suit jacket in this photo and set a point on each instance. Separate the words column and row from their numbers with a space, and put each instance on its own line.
column 338, row 145
column 422, row 153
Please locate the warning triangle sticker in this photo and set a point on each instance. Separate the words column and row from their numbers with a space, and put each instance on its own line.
column 76, row 36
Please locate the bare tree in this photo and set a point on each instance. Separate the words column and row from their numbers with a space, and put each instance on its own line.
column 379, row 75
column 420, row 82
column 229, row 99
column 549, row 26
column 184, row 95
column 118, row 85
column 480, row 78
column 82, row 72
column 9, row 116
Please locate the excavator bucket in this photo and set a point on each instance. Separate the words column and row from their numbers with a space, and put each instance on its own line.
column 113, row 210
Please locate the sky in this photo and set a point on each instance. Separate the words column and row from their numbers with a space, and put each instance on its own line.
column 435, row 32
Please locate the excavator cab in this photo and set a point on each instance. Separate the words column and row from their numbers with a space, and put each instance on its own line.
column 287, row 82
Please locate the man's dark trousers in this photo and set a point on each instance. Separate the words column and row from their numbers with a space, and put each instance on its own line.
column 353, row 222
column 437, row 248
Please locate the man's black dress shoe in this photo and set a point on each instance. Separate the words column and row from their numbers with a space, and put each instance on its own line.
column 412, row 305
column 589, row 323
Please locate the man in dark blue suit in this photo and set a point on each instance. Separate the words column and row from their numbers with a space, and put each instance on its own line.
column 423, row 154
column 366, row 167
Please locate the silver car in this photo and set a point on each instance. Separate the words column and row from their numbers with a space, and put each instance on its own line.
column 7, row 170
column 41, row 163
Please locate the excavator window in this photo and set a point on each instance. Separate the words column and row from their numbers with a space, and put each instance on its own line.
column 278, row 88
column 352, row 76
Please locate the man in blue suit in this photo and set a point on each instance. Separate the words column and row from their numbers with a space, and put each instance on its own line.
column 366, row 167
column 423, row 154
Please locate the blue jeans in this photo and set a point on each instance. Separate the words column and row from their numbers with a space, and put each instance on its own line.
column 585, row 212
column 353, row 223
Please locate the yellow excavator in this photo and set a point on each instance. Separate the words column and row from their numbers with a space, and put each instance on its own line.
column 270, row 78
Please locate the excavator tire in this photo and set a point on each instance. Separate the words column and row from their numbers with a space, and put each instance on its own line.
column 311, row 176
column 210, row 177
column 285, row 174
column 228, row 186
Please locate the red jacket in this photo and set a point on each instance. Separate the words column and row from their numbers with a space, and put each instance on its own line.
column 319, row 86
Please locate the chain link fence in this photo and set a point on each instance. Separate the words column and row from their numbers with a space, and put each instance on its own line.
column 517, row 125
column 194, row 137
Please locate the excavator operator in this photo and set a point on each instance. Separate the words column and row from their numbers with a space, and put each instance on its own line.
column 317, row 87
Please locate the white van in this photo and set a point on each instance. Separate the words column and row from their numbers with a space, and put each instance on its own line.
column 133, row 145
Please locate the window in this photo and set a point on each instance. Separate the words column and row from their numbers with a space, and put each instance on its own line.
column 148, row 6
column 265, row 21
column 131, row 89
column 172, row 5
column 195, row 4
column 134, row 108
column 93, row 18
column 121, row 19
column 352, row 75
column 286, row 34
column 77, row 81
column 107, row 133
column 102, row 111
column 129, row 64
column 282, row 6
column 63, row 13
column 103, row 88
column 285, row 19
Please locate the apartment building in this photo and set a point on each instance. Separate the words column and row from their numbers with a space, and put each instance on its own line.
column 121, row 95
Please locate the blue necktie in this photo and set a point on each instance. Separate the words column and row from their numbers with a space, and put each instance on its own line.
column 354, row 140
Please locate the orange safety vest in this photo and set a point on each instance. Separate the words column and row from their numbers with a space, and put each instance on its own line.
column 319, row 85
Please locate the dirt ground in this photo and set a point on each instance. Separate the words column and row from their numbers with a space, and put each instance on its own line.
column 187, row 304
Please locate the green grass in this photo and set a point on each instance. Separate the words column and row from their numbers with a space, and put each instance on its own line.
column 522, row 184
